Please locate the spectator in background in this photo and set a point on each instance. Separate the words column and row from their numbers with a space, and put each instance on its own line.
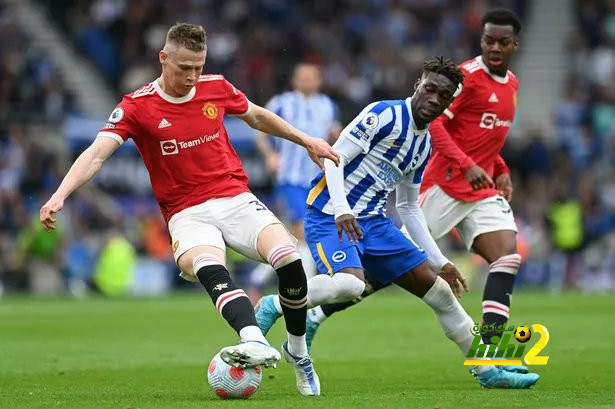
column 115, row 266
column 255, row 43
column 40, row 256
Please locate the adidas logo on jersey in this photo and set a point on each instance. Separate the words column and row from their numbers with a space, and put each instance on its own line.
column 493, row 98
column 164, row 124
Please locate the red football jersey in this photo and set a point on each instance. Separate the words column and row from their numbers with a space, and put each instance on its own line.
column 183, row 141
column 476, row 123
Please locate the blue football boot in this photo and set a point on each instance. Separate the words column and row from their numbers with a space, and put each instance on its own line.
column 498, row 378
column 266, row 313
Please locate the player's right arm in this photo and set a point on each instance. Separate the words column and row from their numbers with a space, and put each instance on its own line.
column 355, row 139
column 82, row 170
column 120, row 126
column 344, row 217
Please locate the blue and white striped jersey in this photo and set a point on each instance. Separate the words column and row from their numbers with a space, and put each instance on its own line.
column 314, row 115
column 392, row 149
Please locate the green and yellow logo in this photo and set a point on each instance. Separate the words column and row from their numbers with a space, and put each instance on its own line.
column 505, row 351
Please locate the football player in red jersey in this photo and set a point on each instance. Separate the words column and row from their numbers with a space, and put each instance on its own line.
column 176, row 122
column 467, row 184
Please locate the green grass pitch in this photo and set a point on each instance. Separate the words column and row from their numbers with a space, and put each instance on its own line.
column 386, row 352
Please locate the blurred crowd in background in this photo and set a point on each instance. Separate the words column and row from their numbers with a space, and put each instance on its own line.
column 564, row 196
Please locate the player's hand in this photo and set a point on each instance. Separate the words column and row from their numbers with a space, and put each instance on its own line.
column 273, row 163
column 52, row 206
column 454, row 278
column 504, row 184
column 319, row 148
column 478, row 178
column 349, row 224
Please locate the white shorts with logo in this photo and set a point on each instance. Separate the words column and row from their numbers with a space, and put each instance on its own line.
column 234, row 221
column 471, row 219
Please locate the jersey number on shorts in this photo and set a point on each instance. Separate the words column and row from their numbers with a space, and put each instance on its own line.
column 259, row 205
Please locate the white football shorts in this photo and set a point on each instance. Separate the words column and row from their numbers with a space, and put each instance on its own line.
column 471, row 219
column 234, row 221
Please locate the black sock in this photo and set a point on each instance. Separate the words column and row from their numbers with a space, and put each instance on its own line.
column 231, row 301
column 371, row 286
column 498, row 288
column 292, row 288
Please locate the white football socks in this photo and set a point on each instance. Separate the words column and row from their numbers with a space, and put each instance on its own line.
column 297, row 345
column 252, row 333
column 316, row 314
column 276, row 303
column 453, row 319
column 324, row 289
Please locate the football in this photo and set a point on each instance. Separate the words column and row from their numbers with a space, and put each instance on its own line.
column 229, row 382
column 523, row 333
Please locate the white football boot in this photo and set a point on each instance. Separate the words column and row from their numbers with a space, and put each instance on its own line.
column 308, row 383
column 250, row 353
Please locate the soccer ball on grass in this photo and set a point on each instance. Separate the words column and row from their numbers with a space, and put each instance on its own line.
column 229, row 382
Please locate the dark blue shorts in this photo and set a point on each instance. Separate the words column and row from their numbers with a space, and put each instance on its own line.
column 384, row 251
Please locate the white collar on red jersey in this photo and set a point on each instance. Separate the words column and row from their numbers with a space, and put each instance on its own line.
column 497, row 78
column 174, row 100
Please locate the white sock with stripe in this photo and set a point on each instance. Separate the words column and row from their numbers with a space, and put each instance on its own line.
column 292, row 294
column 498, row 292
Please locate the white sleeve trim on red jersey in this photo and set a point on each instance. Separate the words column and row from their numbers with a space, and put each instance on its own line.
column 249, row 107
column 448, row 113
column 111, row 135
column 145, row 90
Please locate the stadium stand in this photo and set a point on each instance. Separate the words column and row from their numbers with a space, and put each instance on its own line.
column 565, row 183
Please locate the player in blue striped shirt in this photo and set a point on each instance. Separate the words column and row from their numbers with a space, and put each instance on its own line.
column 385, row 148
column 315, row 114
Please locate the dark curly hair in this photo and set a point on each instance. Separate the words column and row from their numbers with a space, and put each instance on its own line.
column 445, row 66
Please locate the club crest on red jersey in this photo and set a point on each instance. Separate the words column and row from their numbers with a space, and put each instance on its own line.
column 210, row 110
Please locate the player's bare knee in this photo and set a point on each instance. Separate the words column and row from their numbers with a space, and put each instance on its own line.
column 272, row 236
column 282, row 255
column 196, row 257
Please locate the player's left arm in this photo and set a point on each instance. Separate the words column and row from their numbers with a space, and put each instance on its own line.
column 503, row 182
column 268, row 122
column 413, row 219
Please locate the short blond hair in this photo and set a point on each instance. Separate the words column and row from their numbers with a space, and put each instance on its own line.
column 190, row 36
